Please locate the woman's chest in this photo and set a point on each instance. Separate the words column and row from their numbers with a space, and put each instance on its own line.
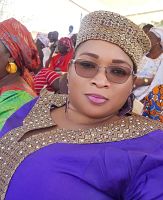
column 61, row 170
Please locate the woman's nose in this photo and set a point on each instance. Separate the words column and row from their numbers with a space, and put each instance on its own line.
column 100, row 79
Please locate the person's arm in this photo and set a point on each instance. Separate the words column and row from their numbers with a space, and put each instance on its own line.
column 52, row 80
column 52, row 49
column 60, row 84
column 142, row 81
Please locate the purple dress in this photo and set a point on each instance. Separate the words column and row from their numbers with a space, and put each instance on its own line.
column 123, row 166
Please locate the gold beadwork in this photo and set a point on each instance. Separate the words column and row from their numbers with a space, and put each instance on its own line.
column 13, row 151
column 114, row 28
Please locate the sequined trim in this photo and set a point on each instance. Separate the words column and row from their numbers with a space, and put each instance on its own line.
column 13, row 152
column 114, row 28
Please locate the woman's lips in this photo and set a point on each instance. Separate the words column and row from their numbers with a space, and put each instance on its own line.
column 96, row 99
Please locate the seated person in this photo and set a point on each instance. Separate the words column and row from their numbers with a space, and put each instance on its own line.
column 59, row 63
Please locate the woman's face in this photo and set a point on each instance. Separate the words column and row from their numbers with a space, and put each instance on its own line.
column 97, row 97
column 153, row 38
column 62, row 48
column 4, row 57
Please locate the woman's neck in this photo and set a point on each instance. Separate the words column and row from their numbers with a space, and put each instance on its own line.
column 72, row 119
column 9, row 79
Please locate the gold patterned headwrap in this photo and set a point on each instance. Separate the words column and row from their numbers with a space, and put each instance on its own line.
column 114, row 28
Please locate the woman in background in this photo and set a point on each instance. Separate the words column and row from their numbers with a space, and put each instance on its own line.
column 18, row 55
column 59, row 62
column 150, row 72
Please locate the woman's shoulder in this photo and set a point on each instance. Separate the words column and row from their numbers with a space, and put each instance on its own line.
column 125, row 128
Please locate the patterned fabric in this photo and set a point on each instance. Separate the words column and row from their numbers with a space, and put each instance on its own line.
column 154, row 104
column 66, row 42
column 114, row 28
column 149, row 68
column 43, row 38
column 85, row 160
column 18, row 40
column 10, row 101
column 44, row 78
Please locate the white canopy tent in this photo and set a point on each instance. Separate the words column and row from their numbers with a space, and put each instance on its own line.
column 45, row 16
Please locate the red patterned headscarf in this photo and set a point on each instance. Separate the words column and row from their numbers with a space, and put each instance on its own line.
column 19, row 42
column 66, row 42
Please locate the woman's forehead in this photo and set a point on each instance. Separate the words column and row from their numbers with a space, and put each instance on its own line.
column 102, row 50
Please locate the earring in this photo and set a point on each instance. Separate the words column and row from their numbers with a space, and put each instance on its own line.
column 11, row 68
column 67, row 104
column 128, row 106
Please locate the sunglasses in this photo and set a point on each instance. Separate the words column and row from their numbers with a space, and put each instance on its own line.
column 115, row 73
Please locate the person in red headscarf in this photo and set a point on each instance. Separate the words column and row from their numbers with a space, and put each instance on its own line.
column 18, row 56
column 48, row 77
column 59, row 63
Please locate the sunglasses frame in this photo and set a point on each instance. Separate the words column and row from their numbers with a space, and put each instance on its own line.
column 73, row 61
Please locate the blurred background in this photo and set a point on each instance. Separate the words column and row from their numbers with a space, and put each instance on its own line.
column 46, row 15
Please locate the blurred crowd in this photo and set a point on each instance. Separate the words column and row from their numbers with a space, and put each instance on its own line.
column 28, row 66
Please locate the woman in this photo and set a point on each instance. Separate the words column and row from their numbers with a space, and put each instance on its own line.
column 86, row 145
column 150, row 73
column 59, row 62
column 18, row 55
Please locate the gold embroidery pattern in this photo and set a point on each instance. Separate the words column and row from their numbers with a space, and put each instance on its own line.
column 114, row 28
column 13, row 152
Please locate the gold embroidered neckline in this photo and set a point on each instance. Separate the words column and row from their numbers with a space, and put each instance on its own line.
column 13, row 152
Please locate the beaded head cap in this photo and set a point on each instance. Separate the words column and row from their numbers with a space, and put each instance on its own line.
column 114, row 28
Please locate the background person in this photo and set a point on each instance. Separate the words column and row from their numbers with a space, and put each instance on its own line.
column 50, row 50
column 42, row 42
column 59, row 62
column 150, row 73
column 18, row 55
column 70, row 29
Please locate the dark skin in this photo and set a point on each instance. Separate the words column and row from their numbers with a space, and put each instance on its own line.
column 78, row 115
column 73, row 38
column 71, row 28
column 7, row 79
column 40, row 46
column 147, row 28
column 155, row 51
column 53, row 36
column 4, row 57
column 60, row 84
column 63, row 50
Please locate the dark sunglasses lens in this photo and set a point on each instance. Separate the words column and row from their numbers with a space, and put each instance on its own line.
column 117, row 74
column 86, row 69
